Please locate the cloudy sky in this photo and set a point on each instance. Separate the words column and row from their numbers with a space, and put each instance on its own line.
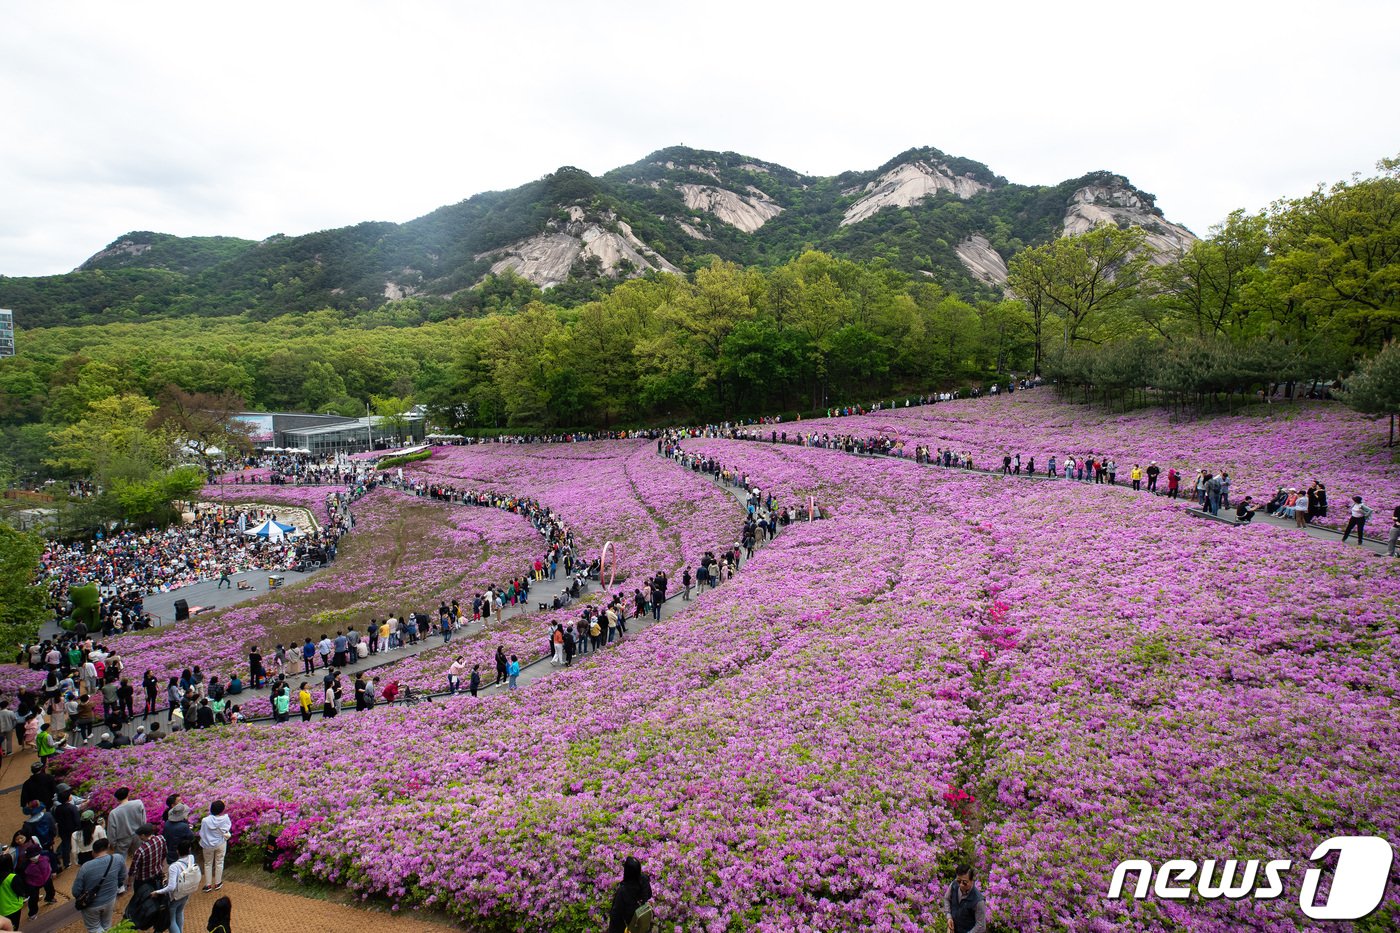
column 257, row 118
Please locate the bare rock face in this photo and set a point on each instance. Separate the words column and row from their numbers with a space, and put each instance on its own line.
column 692, row 232
column 122, row 247
column 981, row 260
column 546, row 258
column 908, row 184
column 747, row 212
column 1096, row 205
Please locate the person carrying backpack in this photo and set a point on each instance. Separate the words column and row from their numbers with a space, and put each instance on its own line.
column 631, row 912
column 182, row 880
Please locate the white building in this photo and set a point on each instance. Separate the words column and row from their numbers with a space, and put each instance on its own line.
column 7, row 333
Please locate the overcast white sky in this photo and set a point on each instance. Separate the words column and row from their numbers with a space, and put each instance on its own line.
column 256, row 118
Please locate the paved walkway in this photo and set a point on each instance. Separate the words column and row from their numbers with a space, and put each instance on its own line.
column 256, row 909
column 541, row 667
column 1378, row 521
column 543, row 591
column 205, row 593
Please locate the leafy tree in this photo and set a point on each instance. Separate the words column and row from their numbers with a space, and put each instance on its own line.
column 1085, row 278
column 133, row 466
column 1375, row 387
column 112, row 430
column 22, row 600
column 1205, row 287
column 205, row 423
column 1338, row 252
column 392, row 412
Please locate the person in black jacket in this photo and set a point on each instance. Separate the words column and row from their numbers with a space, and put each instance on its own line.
column 967, row 912
column 177, row 829
column 631, row 893
column 68, row 819
column 40, row 785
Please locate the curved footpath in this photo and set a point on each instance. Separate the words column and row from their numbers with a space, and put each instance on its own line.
column 1372, row 543
column 542, row 591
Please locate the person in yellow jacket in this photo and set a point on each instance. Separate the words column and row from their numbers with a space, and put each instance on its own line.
column 304, row 703
column 1137, row 476
column 45, row 745
column 11, row 904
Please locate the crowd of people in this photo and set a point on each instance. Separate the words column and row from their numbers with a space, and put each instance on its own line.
column 1210, row 489
column 161, row 859
column 129, row 565
column 279, row 468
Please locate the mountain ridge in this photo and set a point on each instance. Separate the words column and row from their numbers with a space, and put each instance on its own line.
column 948, row 218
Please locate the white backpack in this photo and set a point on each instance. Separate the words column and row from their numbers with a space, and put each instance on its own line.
column 187, row 881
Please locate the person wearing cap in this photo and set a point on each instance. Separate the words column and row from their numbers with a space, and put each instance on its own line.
column 177, row 829
column 1153, row 471
column 88, row 832
column 148, row 861
column 40, row 825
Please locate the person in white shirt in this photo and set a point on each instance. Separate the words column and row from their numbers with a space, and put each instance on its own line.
column 177, row 869
column 87, row 833
column 1360, row 511
column 214, row 832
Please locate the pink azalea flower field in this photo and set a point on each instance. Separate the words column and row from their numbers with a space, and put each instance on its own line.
column 948, row 667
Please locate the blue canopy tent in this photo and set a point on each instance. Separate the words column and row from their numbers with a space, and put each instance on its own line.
column 272, row 530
